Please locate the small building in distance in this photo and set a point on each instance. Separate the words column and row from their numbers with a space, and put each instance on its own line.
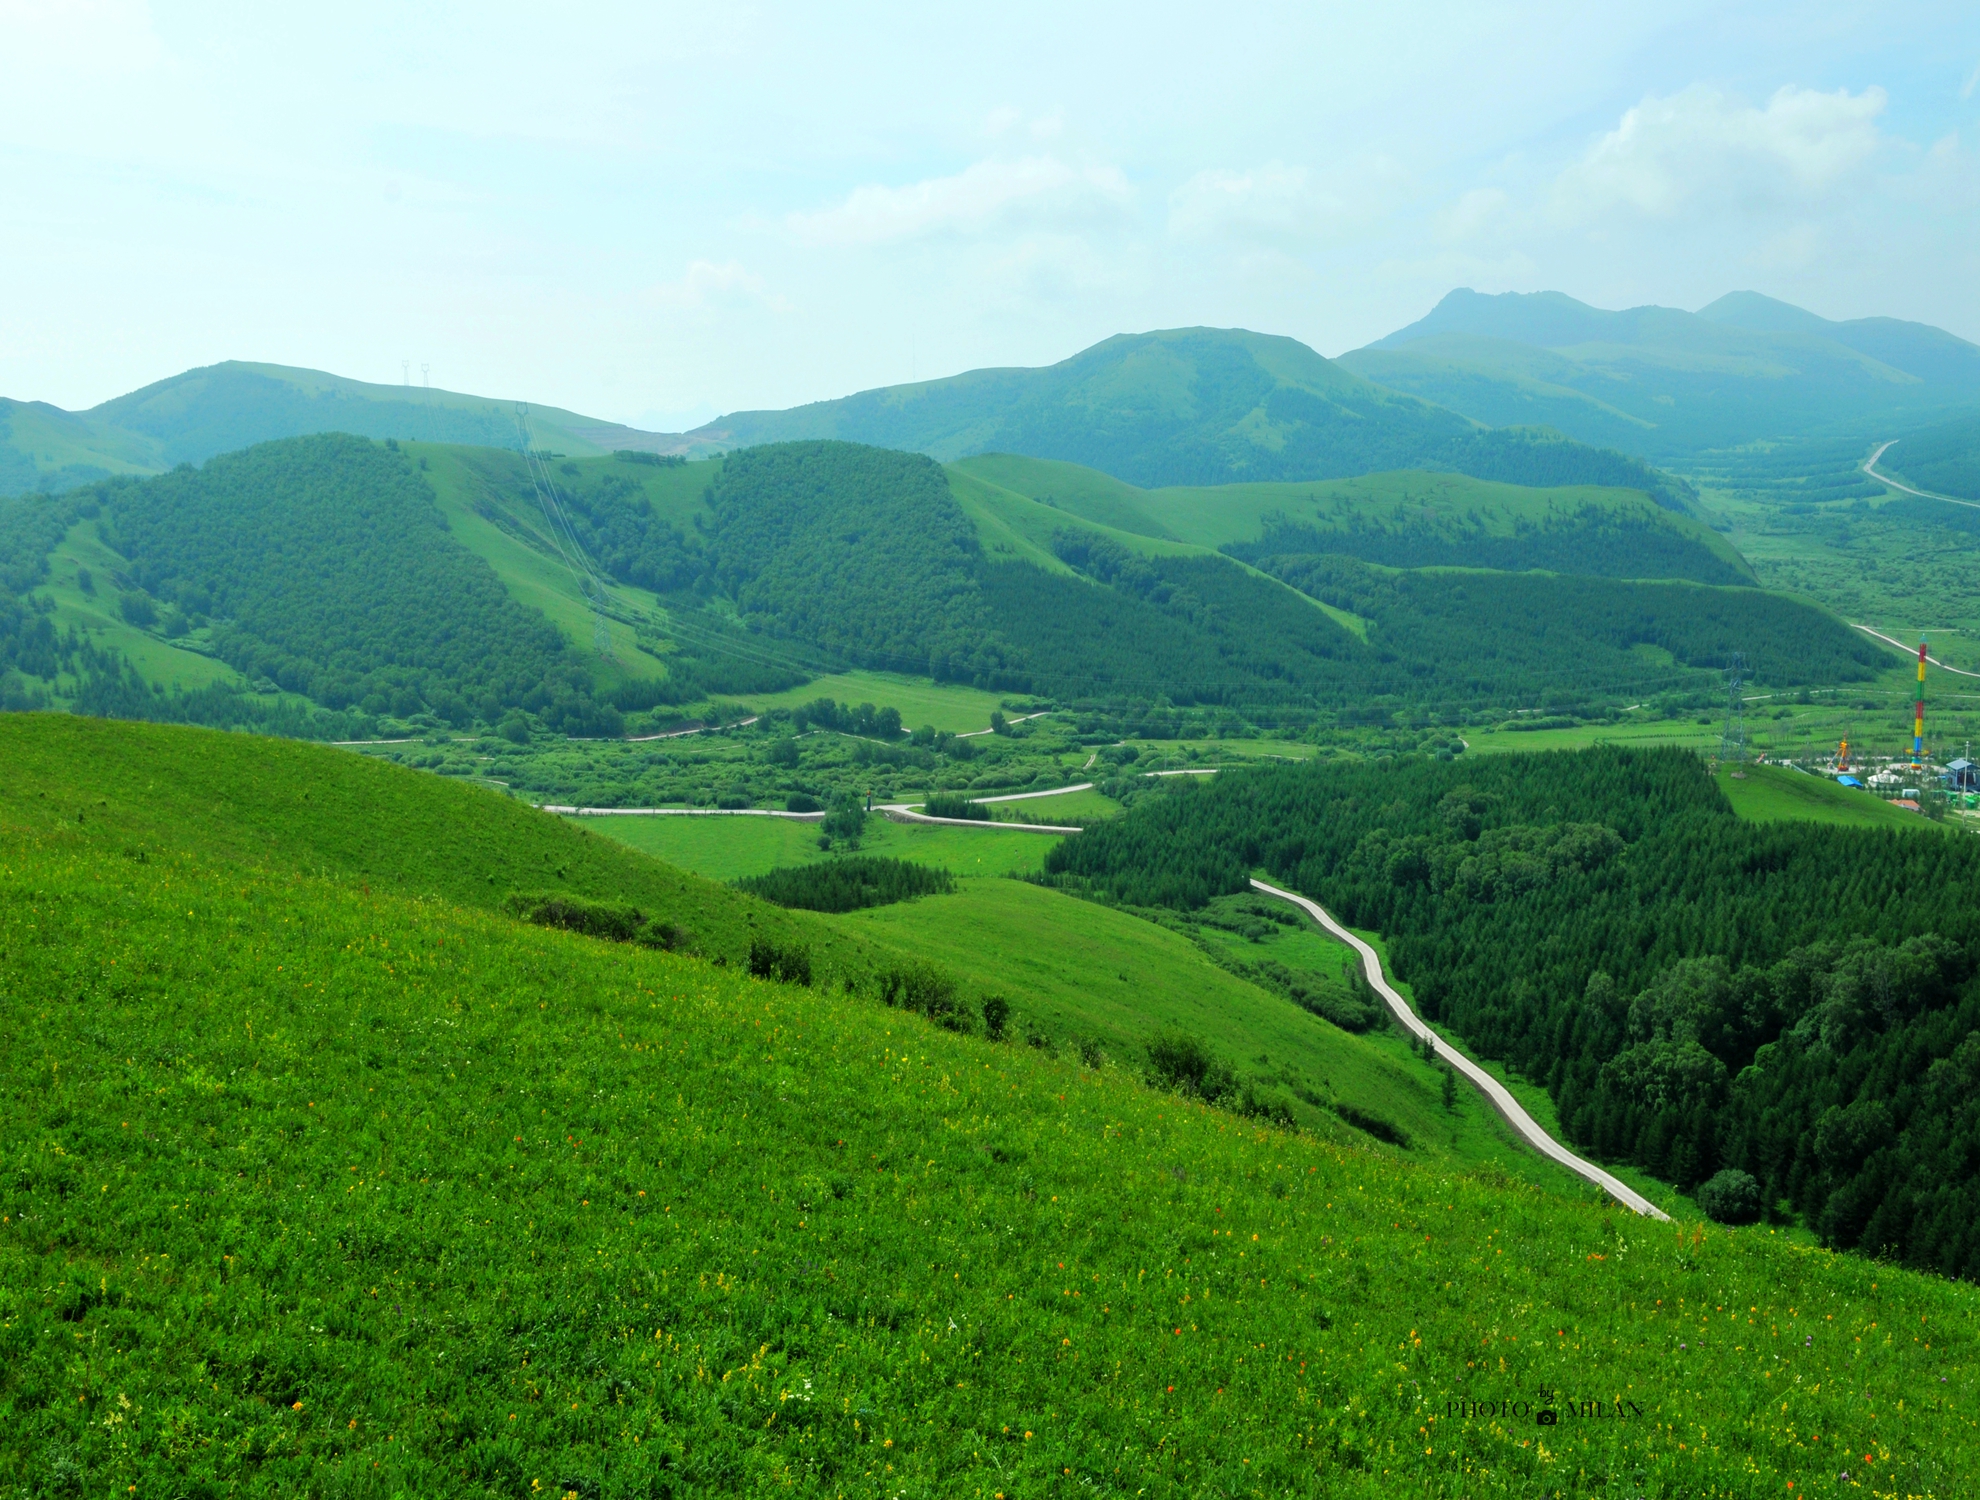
column 1963, row 776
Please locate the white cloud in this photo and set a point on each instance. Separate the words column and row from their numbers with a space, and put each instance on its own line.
column 706, row 285
column 1007, row 119
column 1972, row 82
column 985, row 197
column 1668, row 154
column 1267, row 201
column 1476, row 215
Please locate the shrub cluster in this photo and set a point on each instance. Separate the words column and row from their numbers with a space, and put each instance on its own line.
column 598, row 919
column 848, row 884
column 955, row 805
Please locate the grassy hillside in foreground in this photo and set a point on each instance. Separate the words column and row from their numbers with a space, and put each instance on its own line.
column 1112, row 981
column 144, row 791
column 309, row 1189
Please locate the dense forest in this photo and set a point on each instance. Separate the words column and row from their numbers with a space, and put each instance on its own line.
column 1795, row 1000
column 325, row 568
column 861, row 551
column 1593, row 540
column 875, row 562
column 1510, row 637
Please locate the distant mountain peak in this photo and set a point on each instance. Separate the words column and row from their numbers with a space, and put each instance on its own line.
column 1763, row 314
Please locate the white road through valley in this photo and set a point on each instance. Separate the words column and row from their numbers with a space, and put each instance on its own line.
column 1523, row 1124
column 1870, row 468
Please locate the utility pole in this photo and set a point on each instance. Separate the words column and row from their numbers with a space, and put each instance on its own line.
column 1732, row 741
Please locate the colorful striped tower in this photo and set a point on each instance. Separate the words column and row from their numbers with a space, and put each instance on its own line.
column 1918, row 716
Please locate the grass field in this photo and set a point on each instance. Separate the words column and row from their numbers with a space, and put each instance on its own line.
column 948, row 706
column 1084, row 972
column 730, row 848
column 320, row 1184
column 1769, row 794
column 1089, row 805
column 145, row 791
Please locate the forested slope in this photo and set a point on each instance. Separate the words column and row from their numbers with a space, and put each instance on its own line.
column 1797, row 1000
column 1409, row 518
column 358, row 584
column 1500, row 637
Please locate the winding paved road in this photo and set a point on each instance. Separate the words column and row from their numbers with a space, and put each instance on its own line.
column 1523, row 1124
column 1870, row 468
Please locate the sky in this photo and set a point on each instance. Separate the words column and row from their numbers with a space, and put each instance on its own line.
column 655, row 213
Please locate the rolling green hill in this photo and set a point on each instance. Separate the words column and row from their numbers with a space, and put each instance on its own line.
column 314, row 1182
column 1671, row 385
column 339, row 588
column 168, row 792
column 1190, row 406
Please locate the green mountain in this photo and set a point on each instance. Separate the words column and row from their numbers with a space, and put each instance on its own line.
column 340, row 588
column 322, row 1174
column 220, row 408
column 1189, row 406
column 1670, row 385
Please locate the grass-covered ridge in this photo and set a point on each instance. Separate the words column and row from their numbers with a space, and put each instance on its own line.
column 309, row 1187
column 1401, row 519
column 151, row 791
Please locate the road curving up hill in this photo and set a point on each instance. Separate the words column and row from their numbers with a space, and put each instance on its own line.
column 1524, row 1125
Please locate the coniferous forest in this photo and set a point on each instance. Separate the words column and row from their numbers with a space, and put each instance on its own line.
column 1795, row 1000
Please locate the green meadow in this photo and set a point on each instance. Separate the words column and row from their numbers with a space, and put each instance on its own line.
column 1768, row 794
column 940, row 705
column 728, row 848
column 145, row 791
column 1105, row 983
column 324, row 1177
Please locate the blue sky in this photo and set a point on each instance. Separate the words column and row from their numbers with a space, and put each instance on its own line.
column 655, row 213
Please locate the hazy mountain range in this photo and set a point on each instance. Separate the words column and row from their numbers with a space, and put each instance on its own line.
column 1183, row 406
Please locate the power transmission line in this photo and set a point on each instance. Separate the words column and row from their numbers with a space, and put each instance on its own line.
column 563, row 535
